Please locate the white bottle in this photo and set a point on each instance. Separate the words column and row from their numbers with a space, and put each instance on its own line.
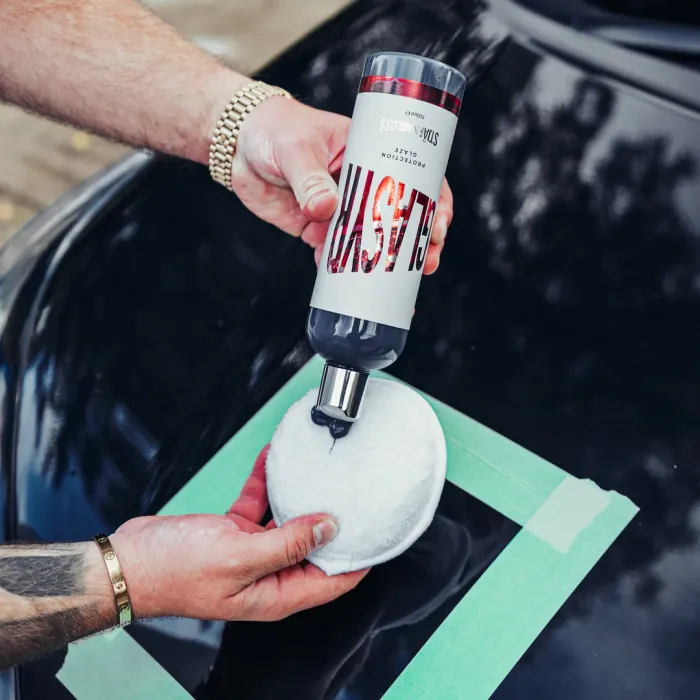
column 400, row 138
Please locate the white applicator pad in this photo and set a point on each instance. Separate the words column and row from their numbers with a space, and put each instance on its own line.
column 382, row 482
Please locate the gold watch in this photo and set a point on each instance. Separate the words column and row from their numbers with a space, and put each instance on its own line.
column 223, row 143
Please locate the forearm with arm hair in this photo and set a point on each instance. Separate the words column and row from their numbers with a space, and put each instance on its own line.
column 113, row 67
column 51, row 595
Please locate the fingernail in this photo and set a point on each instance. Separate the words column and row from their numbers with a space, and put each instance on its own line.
column 324, row 532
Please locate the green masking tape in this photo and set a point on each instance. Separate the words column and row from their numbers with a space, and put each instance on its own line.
column 112, row 666
column 568, row 511
column 488, row 631
column 567, row 526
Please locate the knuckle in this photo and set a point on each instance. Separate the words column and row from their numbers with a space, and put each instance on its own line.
column 316, row 181
column 296, row 549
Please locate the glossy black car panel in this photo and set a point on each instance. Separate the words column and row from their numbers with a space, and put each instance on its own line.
column 566, row 315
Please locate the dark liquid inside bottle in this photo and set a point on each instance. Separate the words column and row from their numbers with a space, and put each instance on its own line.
column 353, row 343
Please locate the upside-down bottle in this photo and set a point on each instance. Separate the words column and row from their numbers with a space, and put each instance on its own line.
column 400, row 138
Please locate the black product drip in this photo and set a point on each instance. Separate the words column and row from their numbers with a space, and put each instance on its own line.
column 336, row 427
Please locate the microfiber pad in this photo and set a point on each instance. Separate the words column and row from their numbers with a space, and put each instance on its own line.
column 382, row 482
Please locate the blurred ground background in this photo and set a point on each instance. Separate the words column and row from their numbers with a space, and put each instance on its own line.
column 40, row 160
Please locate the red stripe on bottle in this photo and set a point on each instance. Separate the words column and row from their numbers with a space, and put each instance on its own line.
column 411, row 88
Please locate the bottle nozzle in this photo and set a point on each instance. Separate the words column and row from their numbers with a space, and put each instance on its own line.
column 341, row 391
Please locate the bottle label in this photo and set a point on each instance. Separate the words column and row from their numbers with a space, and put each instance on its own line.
column 390, row 182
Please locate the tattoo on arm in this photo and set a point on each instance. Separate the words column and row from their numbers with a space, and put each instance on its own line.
column 58, row 572
column 50, row 595
column 43, row 633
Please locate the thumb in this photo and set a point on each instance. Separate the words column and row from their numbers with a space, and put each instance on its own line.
column 305, row 166
column 290, row 544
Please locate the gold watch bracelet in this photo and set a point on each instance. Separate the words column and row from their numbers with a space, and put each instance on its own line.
column 225, row 138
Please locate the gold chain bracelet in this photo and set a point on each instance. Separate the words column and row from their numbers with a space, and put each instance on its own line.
column 116, row 576
column 223, row 143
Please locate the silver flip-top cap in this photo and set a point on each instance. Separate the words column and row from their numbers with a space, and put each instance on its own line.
column 341, row 391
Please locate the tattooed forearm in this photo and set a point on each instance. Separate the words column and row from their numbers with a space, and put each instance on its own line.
column 50, row 595
column 43, row 571
column 41, row 634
